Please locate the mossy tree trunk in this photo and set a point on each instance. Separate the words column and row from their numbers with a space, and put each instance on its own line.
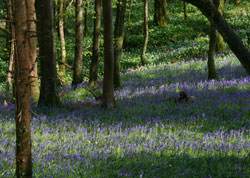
column 119, row 37
column 23, row 61
column 220, row 46
column 78, row 73
column 228, row 34
column 160, row 12
column 212, row 47
column 108, row 87
column 45, row 29
column 96, row 45
column 145, row 43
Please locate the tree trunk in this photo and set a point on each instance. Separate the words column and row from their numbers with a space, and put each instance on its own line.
column 45, row 28
column 228, row 34
column 220, row 46
column 212, row 47
column 86, row 17
column 10, row 47
column 143, row 55
column 237, row 2
column 108, row 88
column 96, row 38
column 32, row 52
column 9, row 18
column 11, row 64
column 160, row 13
column 130, row 11
column 185, row 12
column 23, row 61
column 211, row 53
column 77, row 76
column 119, row 37
column 61, row 36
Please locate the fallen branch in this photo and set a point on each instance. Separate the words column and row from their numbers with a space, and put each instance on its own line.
column 94, row 94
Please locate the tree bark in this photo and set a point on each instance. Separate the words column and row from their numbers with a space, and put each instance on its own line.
column 220, row 46
column 45, row 29
column 211, row 53
column 160, row 13
column 86, row 18
column 145, row 43
column 32, row 52
column 96, row 46
column 212, row 47
column 9, row 18
column 11, row 65
column 23, row 61
column 61, row 36
column 11, row 47
column 108, row 88
column 119, row 37
column 229, row 35
column 77, row 76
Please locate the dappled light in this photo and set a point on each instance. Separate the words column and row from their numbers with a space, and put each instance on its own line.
column 109, row 108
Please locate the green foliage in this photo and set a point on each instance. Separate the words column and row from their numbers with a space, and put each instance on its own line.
column 3, row 70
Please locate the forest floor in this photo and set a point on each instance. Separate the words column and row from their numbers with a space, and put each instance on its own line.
column 148, row 134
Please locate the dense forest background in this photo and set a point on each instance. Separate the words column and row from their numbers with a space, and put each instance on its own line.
column 122, row 88
column 188, row 40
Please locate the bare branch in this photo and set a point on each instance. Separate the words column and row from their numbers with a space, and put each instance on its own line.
column 65, row 64
column 70, row 3
column 5, row 30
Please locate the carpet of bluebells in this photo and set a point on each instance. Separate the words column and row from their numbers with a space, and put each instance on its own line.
column 146, row 134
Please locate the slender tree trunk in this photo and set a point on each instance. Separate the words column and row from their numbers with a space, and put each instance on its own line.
column 96, row 48
column 77, row 76
column 9, row 18
column 23, row 63
column 220, row 46
column 143, row 55
column 211, row 53
column 108, row 88
column 212, row 47
column 185, row 12
column 11, row 47
column 32, row 52
column 130, row 11
column 86, row 17
column 61, row 36
column 45, row 28
column 237, row 2
column 228, row 34
column 11, row 64
column 119, row 37
column 160, row 13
